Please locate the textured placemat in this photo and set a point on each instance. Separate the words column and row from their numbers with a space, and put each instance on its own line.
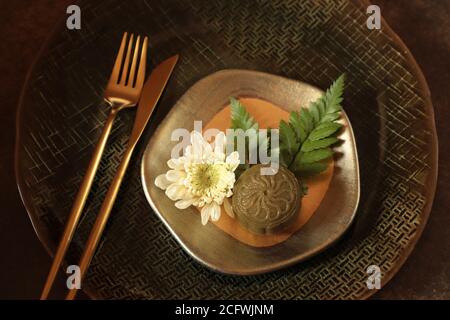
column 313, row 41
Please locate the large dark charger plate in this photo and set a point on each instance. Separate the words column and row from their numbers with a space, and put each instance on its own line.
column 386, row 99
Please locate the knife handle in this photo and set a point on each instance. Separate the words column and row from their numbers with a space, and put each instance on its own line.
column 102, row 218
column 78, row 205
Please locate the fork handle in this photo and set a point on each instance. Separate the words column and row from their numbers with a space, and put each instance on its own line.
column 102, row 218
column 79, row 203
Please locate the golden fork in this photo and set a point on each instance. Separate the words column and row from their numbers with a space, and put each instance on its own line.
column 123, row 90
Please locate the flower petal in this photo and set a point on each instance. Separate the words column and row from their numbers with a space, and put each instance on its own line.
column 162, row 182
column 172, row 163
column 219, row 143
column 176, row 191
column 216, row 156
column 176, row 164
column 183, row 204
column 215, row 214
column 207, row 150
column 205, row 212
column 197, row 144
column 210, row 211
column 175, row 175
column 228, row 208
column 188, row 151
column 233, row 160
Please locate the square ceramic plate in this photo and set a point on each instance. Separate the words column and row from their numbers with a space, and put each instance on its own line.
column 208, row 244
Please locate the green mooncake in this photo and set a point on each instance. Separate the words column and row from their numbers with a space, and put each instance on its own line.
column 266, row 203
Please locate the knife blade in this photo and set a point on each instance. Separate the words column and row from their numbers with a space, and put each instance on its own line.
column 151, row 92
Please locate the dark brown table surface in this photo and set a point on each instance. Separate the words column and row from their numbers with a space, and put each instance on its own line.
column 424, row 25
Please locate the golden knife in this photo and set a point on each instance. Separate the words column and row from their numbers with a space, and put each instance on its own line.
column 151, row 93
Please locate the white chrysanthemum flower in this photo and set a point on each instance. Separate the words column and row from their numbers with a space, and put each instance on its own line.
column 203, row 177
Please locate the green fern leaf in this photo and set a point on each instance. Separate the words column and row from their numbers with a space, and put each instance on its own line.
column 310, row 145
column 315, row 128
column 313, row 156
column 240, row 118
column 324, row 130
column 288, row 143
column 298, row 126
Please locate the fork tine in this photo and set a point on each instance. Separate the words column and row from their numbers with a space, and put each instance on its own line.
column 126, row 64
column 142, row 64
column 116, row 69
column 130, row 81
